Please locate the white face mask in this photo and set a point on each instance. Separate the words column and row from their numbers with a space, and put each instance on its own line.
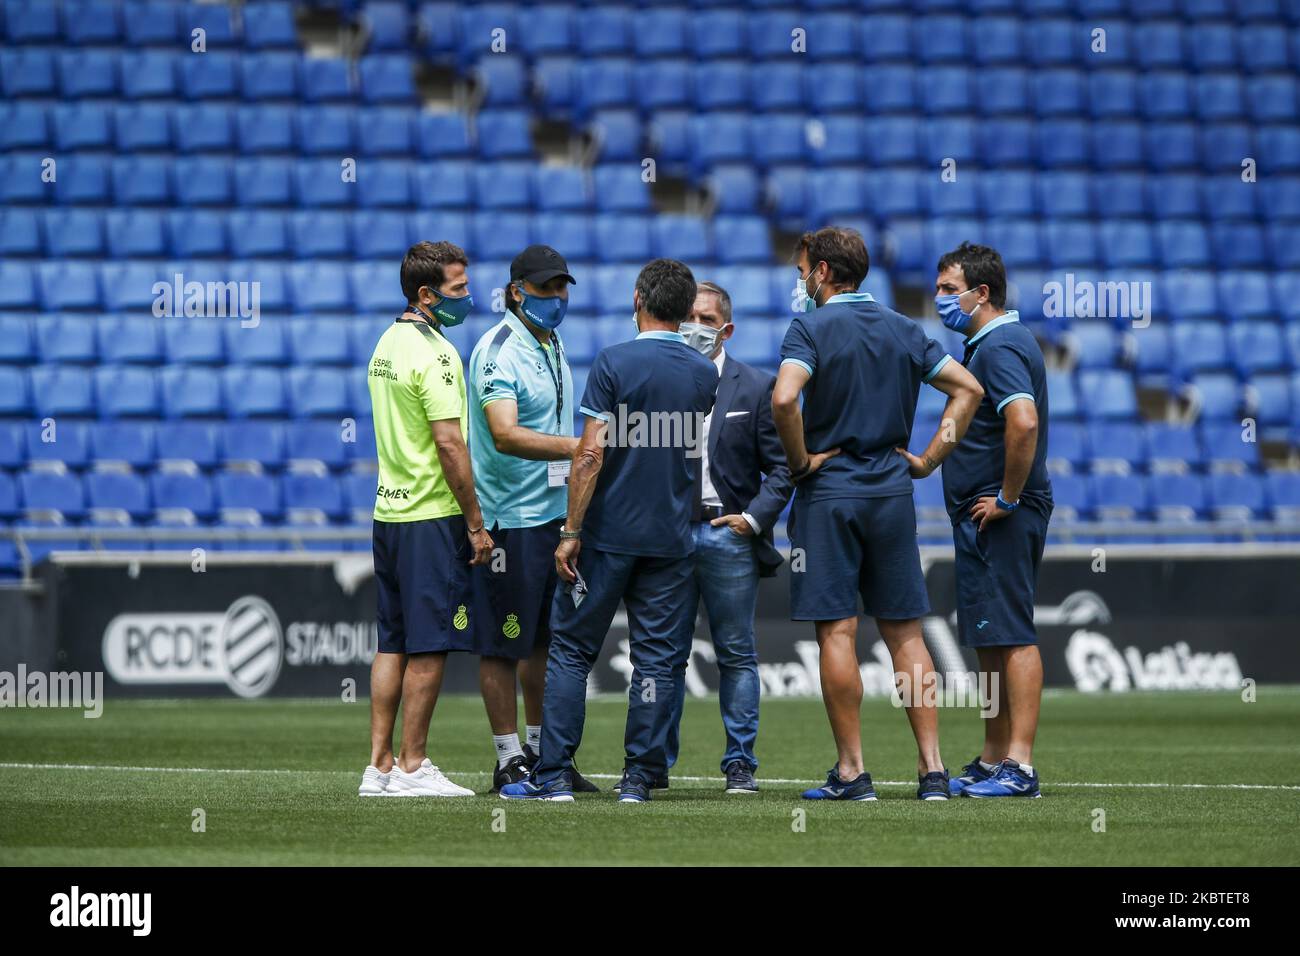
column 702, row 338
column 804, row 302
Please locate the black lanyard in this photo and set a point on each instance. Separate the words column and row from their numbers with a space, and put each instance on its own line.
column 557, row 376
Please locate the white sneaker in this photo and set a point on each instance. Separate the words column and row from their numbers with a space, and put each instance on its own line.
column 427, row 781
column 374, row 782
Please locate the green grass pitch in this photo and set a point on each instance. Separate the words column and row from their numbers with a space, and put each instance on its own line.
column 276, row 781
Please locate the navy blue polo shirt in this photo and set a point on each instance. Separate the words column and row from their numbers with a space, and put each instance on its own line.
column 653, row 393
column 867, row 364
column 1005, row 359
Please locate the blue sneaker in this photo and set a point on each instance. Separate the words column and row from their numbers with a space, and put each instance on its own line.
column 558, row 790
column 838, row 789
column 933, row 786
column 1008, row 781
column 633, row 788
column 973, row 772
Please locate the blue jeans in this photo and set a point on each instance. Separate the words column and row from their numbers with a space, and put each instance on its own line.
column 726, row 576
column 655, row 593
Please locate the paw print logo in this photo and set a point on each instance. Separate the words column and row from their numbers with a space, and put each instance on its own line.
column 446, row 378
column 445, row 360
column 489, row 369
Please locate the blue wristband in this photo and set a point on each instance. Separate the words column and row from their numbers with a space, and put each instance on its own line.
column 1007, row 505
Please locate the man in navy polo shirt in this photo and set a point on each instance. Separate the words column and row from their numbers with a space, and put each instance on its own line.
column 1000, row 500
column 852, row 528
column 627, row 536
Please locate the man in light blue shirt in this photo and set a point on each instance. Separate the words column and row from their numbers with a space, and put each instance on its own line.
column 521, row 441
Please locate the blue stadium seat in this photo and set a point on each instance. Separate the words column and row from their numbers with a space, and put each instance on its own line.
column 617, row 135
column 385, row 131
column 270, row 25
column 66, row 444
column 153, row 23
column 120, row 492
column 1227, row 443
column 1173, row 447
column 1283, row 493
column 722, row 85
column 1002, row 91
column 387, row 26
column 504, row 134
column 1120, row 497
column 318, row 392
column 258, row 234
column 253, row 391
column 326, row 80
column 123, row 442
column 253, row 443
column 269, row 76
column 889, row 89
column 124, row 391
column 1117, row 144
column 505, row 185
column 304, row 493
column 620, row 188
column 1063, row 143
column 1108, row 394
column 1237, row 497
column 248, row 491
column 187, row 441
column 1199, row 346
column 1113, row 94
column 1063, row 399
column 742, row 239
column 323, row 441
column 1217, row 396
column 57, row 493
column 684, row 237
column 1116, row 446
column 1182, row 245
column 204, row 128
column 191, row 392
column 386, row 78
column 1270, row 402
column 1178, row 497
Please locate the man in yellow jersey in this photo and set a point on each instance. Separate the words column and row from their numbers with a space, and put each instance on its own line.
column 428, row 529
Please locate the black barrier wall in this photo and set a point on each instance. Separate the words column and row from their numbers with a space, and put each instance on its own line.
column 1109, row 621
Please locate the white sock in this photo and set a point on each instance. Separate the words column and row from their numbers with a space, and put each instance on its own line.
column 1027, row 769
column 533, row 734
column 507, row 746
column 988, row 767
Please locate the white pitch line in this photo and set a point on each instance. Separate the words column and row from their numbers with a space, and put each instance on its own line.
column 615, row 776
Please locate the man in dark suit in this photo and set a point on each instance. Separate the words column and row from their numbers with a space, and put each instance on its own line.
column 741, row 486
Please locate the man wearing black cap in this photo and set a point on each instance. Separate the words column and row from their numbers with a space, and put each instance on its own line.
column 521, row 441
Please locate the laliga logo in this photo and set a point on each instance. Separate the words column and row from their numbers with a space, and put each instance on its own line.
column 242, row 648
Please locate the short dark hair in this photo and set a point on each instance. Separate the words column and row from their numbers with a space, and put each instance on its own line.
column 841, row 249
column 724, row 300
column 667, row 289
column 981, row 265
column 425, row 263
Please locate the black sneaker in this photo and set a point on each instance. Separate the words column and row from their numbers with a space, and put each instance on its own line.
column 633, row 788
column 740, row 778
column 660, row 783
column 933, row 786
column 580, row 783
column 516, row 770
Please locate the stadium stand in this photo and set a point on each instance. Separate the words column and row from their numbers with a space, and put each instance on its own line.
column 1166, row 164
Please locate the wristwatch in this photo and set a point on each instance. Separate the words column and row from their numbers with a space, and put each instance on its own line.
column 1007, row 505
column 567, row 535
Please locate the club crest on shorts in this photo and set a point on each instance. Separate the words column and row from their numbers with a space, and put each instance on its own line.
column 511, row 627
column 461, row 620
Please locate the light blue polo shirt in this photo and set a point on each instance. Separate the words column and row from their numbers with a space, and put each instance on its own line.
column 509, row 363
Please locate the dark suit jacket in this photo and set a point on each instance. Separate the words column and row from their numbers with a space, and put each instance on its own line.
column 743, row 448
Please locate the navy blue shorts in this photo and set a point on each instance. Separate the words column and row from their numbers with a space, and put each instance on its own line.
column 851, row 548
column 513, row 592
column 997, row 572
column 423, row 584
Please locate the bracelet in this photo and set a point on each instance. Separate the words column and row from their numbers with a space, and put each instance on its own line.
column 1007, row 505
column 477, row 530
column 567, row 535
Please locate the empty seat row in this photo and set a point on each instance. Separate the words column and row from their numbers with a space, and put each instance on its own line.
column 697, row 142
column 562, row 84
column 142, row 444
column 268, row 498
column 134, row 23
column 1124, row 447
column 178, row 73
column 944, row 36
column 216, row 128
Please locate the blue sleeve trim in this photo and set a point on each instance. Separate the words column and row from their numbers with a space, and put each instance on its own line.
column 800, row 362
column 1011, row 398
column 592, row 413
column 937, row 367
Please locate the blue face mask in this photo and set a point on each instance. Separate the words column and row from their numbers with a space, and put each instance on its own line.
column 545, row 313
column 451, row 312
column 950, row 312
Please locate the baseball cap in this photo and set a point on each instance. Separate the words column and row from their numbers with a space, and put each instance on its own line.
column 538, row 264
